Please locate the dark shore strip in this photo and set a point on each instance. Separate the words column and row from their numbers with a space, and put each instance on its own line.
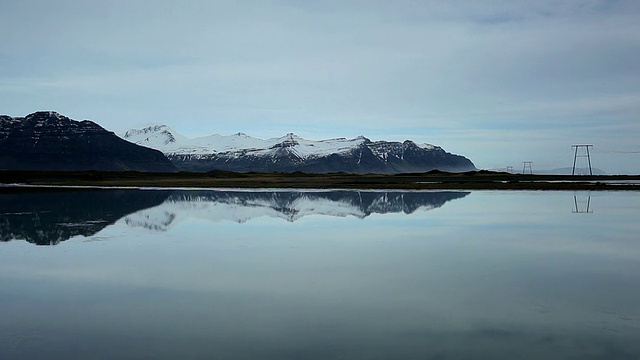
column 436, row 180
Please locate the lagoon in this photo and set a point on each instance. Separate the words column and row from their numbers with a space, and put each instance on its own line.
column 200, row 274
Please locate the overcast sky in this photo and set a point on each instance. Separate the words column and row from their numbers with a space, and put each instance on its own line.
column 500, row 82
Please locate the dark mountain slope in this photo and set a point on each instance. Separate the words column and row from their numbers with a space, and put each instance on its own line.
column 47, row 140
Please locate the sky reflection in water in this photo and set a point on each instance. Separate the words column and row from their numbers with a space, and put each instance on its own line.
column 320, row 275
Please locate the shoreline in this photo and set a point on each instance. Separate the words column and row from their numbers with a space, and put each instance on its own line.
column 476, row 180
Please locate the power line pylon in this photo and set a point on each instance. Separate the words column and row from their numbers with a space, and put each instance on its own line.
column 576, row 156
column 527, row 165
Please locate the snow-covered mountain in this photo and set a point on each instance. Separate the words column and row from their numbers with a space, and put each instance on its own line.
column 169, row 141
column 243, row 153
column 242, row 206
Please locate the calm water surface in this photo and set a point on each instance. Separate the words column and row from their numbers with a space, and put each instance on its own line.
column 319, row 275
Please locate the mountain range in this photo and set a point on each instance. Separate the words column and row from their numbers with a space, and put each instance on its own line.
column 289, row 153
column 46, row 140
column 569, row 170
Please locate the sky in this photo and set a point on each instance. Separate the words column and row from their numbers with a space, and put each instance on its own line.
column 499, row 81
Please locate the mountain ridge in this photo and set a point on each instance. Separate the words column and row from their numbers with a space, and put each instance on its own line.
column 289, row 153
column 47, row 140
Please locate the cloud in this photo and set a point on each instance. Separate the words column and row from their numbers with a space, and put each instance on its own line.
column 338, row 68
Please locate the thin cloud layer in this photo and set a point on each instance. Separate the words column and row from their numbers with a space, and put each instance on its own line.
column 499, row 81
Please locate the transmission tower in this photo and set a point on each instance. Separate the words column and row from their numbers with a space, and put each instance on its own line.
column 510, row 169
column 527, row 165
column 585, row 154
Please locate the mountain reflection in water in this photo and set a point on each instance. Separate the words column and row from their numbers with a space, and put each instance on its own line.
column 320, row 275
column 49, row 217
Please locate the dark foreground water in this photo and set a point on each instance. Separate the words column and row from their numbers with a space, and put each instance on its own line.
column 319, row 275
